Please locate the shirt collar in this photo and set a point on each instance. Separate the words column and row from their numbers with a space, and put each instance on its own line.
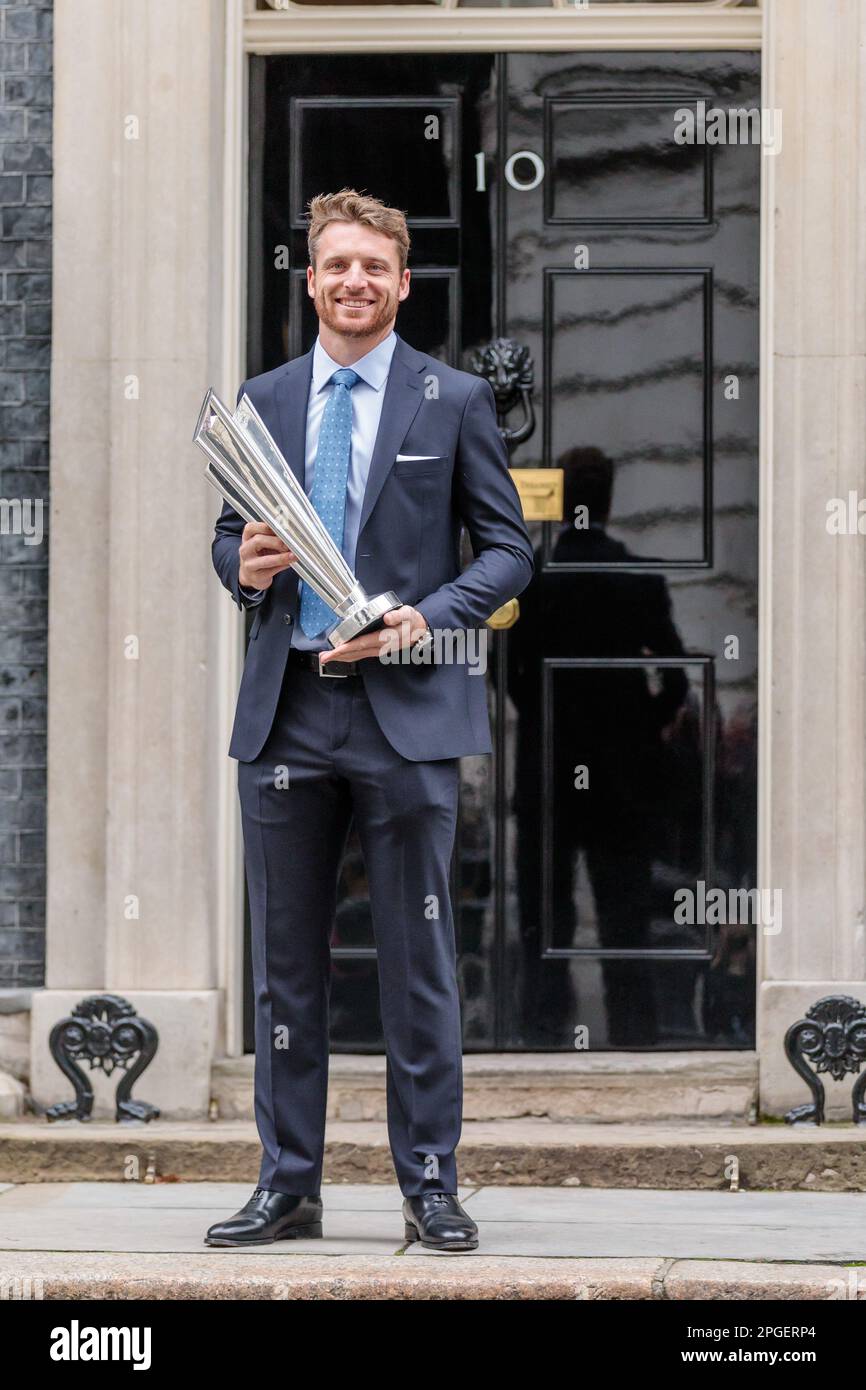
column 372, row 368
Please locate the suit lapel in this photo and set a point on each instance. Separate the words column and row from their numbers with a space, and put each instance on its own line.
column 403, row 396
column 292, row 391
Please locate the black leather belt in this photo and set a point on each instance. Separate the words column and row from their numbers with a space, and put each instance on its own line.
column 309, row 661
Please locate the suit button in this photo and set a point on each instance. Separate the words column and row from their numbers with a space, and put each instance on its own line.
column 287, row 619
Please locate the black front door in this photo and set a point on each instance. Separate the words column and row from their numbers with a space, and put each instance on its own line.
column 605, row 277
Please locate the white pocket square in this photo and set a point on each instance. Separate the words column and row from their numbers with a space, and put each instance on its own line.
column 416, row 458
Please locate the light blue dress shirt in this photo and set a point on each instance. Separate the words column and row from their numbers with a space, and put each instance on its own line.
column 367, row 396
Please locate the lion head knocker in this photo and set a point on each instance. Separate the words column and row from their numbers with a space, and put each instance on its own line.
column 507, row 365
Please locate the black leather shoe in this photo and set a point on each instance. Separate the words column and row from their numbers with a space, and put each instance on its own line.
column 269, row 1216
column 439, row 1222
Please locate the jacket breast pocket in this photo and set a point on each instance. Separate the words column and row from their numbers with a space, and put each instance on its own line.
column 419, row 467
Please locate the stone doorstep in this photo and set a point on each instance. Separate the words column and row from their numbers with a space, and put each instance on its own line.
column 233, row 1275
column 529, row 1152
column 612, row 1086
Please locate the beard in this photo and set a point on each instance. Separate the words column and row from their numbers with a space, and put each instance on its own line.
column 386, row 312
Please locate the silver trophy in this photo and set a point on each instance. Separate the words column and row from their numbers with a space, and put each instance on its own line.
column 246, row 467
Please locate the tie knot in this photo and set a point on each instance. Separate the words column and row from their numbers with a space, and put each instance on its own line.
column 345, row 377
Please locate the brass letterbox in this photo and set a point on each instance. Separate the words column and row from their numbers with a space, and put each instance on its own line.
column 541, row 492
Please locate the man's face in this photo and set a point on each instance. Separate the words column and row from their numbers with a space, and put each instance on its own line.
column 357, row 284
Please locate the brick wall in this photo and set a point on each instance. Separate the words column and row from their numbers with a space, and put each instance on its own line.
column 25, row 344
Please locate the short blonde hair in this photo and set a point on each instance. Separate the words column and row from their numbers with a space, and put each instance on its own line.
column 351, row 206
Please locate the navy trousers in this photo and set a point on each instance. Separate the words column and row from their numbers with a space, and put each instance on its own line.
column 326, row 761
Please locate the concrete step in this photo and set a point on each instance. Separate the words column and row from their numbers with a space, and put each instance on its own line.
column 602, row 1087
column 450, row 1278
column 537, row 1152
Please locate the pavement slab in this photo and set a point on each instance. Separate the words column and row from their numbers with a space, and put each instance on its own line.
column 142, row 1240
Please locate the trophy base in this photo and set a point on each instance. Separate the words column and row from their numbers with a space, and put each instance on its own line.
column 366, row 617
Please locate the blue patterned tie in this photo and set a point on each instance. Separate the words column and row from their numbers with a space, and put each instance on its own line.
column 329, row 487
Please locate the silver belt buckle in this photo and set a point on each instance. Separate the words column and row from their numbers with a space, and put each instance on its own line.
column 326, row 670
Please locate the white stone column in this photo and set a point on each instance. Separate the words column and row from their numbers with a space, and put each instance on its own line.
column 136, row 340
column 813, row 729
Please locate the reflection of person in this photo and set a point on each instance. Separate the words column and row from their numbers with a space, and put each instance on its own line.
column 611, row 722
column 375, row 740
column 729, row 993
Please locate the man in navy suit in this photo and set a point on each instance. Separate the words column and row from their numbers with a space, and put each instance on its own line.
column 397, row 451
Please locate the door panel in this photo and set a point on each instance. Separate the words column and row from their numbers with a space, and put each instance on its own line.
column 612, row 160
column 623, row 699
column 633, row 750
column 636, row 338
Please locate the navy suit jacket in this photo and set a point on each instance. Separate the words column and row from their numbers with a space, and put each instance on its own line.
column 408, row 541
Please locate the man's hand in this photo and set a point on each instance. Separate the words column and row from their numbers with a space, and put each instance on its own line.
column 409, row 621
column 262, row 555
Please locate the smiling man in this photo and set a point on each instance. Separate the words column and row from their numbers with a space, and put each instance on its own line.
column 397, row 452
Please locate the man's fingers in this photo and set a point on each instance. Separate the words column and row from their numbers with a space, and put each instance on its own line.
column 258, row 545
column 353, row 650
column 398, row 615
column 270, row 563
column 259, row 574
column 360, row 647
column 407, row 619
column 261, row 547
